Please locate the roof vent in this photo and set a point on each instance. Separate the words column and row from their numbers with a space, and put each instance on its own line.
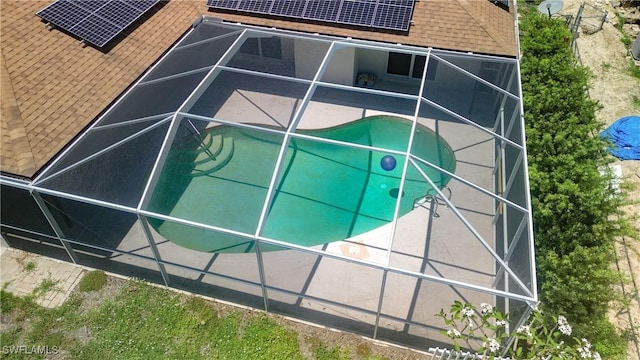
column 501, row 3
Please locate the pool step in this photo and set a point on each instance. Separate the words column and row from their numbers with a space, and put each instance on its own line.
column 205, row 143
column 207, row 164
column 212, row 147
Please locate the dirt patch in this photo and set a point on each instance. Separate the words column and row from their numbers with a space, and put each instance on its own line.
column 91, row 299
column 359, row 347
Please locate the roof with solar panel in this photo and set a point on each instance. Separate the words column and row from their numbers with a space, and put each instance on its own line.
column 52, row 88
column 381, row 14
column 95, row 21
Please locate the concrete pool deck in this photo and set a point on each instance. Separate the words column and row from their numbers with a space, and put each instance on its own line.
column 343, row 288
column 441, row 246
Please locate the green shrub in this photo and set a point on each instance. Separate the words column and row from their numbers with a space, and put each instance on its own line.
column 93, row 281
column 483, row 330
column 610, row 345
column 576, row 214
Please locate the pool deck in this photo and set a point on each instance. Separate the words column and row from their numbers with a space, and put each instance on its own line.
column 441, row 246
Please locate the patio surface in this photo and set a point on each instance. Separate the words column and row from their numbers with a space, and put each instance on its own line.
column 441, row 246
column 21, row 272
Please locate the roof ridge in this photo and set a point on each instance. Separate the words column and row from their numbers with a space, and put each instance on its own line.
column 16, row 133
column 470, row 7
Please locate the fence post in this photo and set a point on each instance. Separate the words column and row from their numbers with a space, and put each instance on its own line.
column 576, row 23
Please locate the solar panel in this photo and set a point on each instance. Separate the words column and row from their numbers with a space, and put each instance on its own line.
column 289, row 8
column 90, row 5
column 142, row 5
column 384, row 14
column 224, row 4
column 65, row 13
column 95, row 21
column 95, row 30
column 118, row 13
column 388, row 16
column 322, row 10
column 260, row 6
column 357, row 12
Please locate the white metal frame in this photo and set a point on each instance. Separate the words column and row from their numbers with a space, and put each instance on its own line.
column 38, row 185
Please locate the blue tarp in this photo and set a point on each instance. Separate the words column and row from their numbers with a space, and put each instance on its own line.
column 625, row 135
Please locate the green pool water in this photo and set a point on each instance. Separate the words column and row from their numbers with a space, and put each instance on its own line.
column 323, row 193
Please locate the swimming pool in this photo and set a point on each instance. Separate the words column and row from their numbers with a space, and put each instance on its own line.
column 324, row 192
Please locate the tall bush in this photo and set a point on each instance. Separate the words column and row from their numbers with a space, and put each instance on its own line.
column 576, row 213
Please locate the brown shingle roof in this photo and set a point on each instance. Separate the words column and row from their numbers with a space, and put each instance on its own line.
column 53, row 87
column 59, row 86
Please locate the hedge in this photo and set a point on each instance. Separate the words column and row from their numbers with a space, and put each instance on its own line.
column 576, row 214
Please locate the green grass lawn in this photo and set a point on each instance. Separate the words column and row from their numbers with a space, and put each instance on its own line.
column 140, row 321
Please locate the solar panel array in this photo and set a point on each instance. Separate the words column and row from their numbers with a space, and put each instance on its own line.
column 383, row 14
column 95, row 21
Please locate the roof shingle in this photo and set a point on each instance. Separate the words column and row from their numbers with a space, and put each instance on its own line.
column 53, row 87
